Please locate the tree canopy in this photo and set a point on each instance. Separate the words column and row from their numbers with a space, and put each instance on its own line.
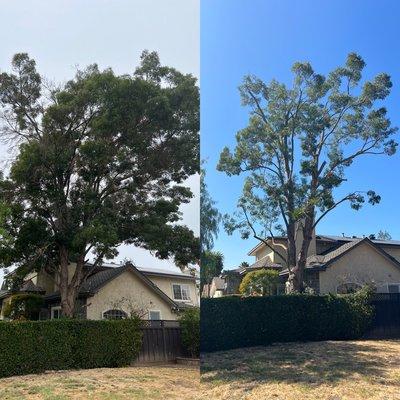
column 297, row 145
column 101, row 162
column 263, row 282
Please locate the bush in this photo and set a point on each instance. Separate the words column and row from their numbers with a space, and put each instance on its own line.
column 263, row 282
column 233, row 322
column 24, row 306
column 36, row 346
column 190, row 324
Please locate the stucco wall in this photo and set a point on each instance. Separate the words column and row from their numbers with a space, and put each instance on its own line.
column 122, row 292
column 393, row 251
column 361, row 265
column 165, row 284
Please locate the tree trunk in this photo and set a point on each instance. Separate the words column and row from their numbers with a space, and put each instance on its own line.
column 291, row 257
column 302, row 259
column 69, row 288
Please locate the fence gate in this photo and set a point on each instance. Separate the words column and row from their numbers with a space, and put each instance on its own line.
column 161, row 342
column 386, row 322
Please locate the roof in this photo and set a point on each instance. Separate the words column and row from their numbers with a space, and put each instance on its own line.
column 26, row 287
column 332, row 238
column 219, row 283
column 99, row 279
column 323, row 261
column 264, row 262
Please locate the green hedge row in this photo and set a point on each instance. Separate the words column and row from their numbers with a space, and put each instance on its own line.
column 233, row 322
column 37, row 346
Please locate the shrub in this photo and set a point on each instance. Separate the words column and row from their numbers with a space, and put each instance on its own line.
column 24, row 306
column 190, row 324
column 232, row 322
column 263, row 282
column 35, row 346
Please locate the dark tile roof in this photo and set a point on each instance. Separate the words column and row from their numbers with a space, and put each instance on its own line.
column 98, row 279
column 264, row 262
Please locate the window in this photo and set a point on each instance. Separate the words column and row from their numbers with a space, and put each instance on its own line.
column 115, row 314
column 346, row 288
column 56, row 312
column 393, row 287
column 181, row 292
column 155, row 315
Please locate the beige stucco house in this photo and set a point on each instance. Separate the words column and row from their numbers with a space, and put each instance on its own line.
column 335, row 264
column 113, row 291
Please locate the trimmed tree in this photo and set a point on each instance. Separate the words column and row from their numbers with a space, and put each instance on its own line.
column 101, row 162
column 296, row 148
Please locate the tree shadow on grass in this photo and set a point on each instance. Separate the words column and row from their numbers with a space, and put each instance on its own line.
column 309, row 363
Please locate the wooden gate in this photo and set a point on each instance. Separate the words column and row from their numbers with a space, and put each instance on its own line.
column 161, row 342
column 386, row 322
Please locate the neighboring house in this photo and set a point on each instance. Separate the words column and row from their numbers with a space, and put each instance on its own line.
column 224, row 285
column 113, row 292
column 335, row 264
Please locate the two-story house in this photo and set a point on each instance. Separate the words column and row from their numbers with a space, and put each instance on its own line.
column 113, row 291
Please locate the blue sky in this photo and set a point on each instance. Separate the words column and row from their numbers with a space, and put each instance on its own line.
column 265, row 37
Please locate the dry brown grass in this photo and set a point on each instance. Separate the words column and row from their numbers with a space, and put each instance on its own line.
column 355, row 370
column 161, row 382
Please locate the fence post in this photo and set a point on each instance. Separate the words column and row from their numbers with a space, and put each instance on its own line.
column 164, row 340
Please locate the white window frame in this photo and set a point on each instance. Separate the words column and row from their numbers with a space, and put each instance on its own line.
column 55, row 308
column 114, row 309
column 159, row 313
column 185, row 285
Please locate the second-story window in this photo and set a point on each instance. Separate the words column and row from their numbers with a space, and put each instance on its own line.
column 181, row 292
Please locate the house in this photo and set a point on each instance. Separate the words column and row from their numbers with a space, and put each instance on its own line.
column 225, row 284
column 335, row 264
column 113, row 292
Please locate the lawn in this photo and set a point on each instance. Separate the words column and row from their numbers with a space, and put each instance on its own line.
column 162, row 382
column 354, row 370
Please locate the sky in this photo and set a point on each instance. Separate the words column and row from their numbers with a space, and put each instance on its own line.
column 264, row 38
column 64, row 35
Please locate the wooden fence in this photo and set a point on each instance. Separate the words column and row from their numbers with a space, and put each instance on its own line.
column 161, row 342
column 386, row 322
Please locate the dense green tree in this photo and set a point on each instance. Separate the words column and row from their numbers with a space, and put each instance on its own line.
column 296, row 147
column 101, row 162
column 263, row 282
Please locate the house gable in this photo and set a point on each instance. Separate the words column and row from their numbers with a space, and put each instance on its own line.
column 362, row 262
column 128, row 291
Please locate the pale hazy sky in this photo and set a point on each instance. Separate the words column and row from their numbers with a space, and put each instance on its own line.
column 62, row 35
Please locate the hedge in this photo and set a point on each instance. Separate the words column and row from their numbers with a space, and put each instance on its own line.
column 36, row 346
column 233, row 322
column 190, row 324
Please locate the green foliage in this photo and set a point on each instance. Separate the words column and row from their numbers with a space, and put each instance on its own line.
column 233, row 322
column 101, row 162
column 209, row 215
column 34, row 347
column 190, row 324
column 211, row 265
column 262, row 283
column 24, row 306
column 298, row 143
